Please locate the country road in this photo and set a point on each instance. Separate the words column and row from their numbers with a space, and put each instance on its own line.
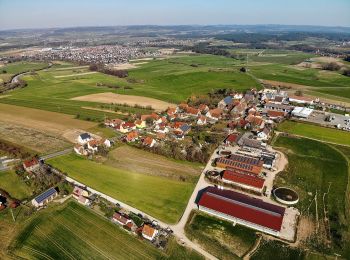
column 59, row 153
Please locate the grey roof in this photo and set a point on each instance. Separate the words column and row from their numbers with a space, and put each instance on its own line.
column 43, row 196
column 85, row 136
column 228, row 100
column 185, row 128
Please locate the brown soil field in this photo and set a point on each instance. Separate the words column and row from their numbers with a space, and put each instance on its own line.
column 39, row 141
column 41, row 120
column 109, row 97
column 72, row 135
column 284, row 84
column 136, row 160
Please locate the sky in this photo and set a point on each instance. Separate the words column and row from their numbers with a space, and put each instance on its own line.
column 15, row 14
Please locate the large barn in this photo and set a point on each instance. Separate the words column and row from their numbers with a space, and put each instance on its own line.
column 246, row 181
column 241, row 163
column 242, row 209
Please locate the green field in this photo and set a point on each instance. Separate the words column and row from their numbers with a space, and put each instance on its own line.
column 11, row 183
column 220, row 237
column 18, row 67
column 71, row 231
column 313, row 168
column 159, row 197
column 316, row 132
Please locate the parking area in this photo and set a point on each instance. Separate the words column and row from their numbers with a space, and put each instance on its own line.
column 329, row 119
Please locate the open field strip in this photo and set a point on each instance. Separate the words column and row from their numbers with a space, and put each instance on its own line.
column 12, row 183
column 315, row 132
column 110, row 97
column 160, row 197
column 75, row 232
column 77, row 74
column 72, row 68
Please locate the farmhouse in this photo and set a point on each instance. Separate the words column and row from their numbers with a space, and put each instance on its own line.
column 44, row 198
column 132, row 136
column 84, row 138
column 275, row 115
column 149, row 232
column 214, row 114
column 79, row 149
column 301, row 100
column 191, row 111
column 242, row 209
column 31, row 165
column 242, row 180
column 93, row 145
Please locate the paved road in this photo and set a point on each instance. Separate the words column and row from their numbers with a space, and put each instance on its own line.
column 52, row 155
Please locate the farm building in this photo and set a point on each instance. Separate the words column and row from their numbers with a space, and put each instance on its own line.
column 242, row 209
column 120, row 219
column 241, row 163
column 31, row 165
column 302, row 112
column 245, row 181
column 278, row 107
column 44, row 197
column 301, row 100
column 149, row 232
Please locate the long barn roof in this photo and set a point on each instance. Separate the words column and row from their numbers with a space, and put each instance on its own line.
column 243, row 207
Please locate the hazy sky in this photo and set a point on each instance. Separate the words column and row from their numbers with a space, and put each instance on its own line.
column 68, row 13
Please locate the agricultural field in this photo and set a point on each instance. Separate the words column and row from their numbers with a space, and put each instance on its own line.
column 161, row 197
column 11, row 183
column 18, row 67
column 38, row 130
column 220, row 237
column 135, row 160
column 271, row 249
column 319, row 173
column 315, row 132
column 75, row 232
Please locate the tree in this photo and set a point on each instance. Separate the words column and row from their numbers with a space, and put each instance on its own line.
column 332, row 66
column 243, row 69
column 298, row 93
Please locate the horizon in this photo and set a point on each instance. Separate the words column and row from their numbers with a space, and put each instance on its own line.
column 19, row 14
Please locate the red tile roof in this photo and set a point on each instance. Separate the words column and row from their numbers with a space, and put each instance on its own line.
column 148, row 230
column 118, row 217
column 232, row 138
column 243, row 207
column 30, row 163
column 274, row 113
column 245, row 179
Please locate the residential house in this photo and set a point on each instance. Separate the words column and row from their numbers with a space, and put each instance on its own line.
column 275, row 115
column 264, row 134
column 79, row 149
column 232, row 139
column 182, row 106
column 256, row 123
column 120, row 219
column 78, row 192
column 184, row 129
column 202, row 120
column 171, row 111
column 132, row 136
column 149, row 141
column 127, row 127
column 191, row 111
column 203, row 108
column 140, row 124
column 239, row 110
column 84, row 138
column 114, row 122
column 149, row 232
column 44, row 198
column 224, row 103
column 214, row 114
column 31, row 165
column 92, row 145
column 161, row 128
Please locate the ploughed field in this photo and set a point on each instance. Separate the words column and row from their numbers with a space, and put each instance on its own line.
column 71, row 231
column 316, row 132
column 164, row 198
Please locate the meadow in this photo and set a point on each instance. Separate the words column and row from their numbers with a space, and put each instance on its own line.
column 75, row 232
column 270, row 249
column 160, row 197
column 220, row 237
column 11, row 183
column 18, row 67
column 319, row 173
column 316, row 132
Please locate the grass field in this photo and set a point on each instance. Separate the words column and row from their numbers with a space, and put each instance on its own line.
column 220, row 237
column 74, row 232
column 160, row 197
column 18, row 67
column 11, row 183
column 136, row 160
column 316, row 132
column 319, row 173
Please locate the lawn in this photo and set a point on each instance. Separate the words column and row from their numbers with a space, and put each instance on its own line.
column 159, row 197
column 220, row 237
column 11, row 183
column 313, row 169
column 315, row 132
column 71, row 231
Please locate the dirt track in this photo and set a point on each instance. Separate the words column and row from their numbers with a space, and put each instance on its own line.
column 109, row 97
